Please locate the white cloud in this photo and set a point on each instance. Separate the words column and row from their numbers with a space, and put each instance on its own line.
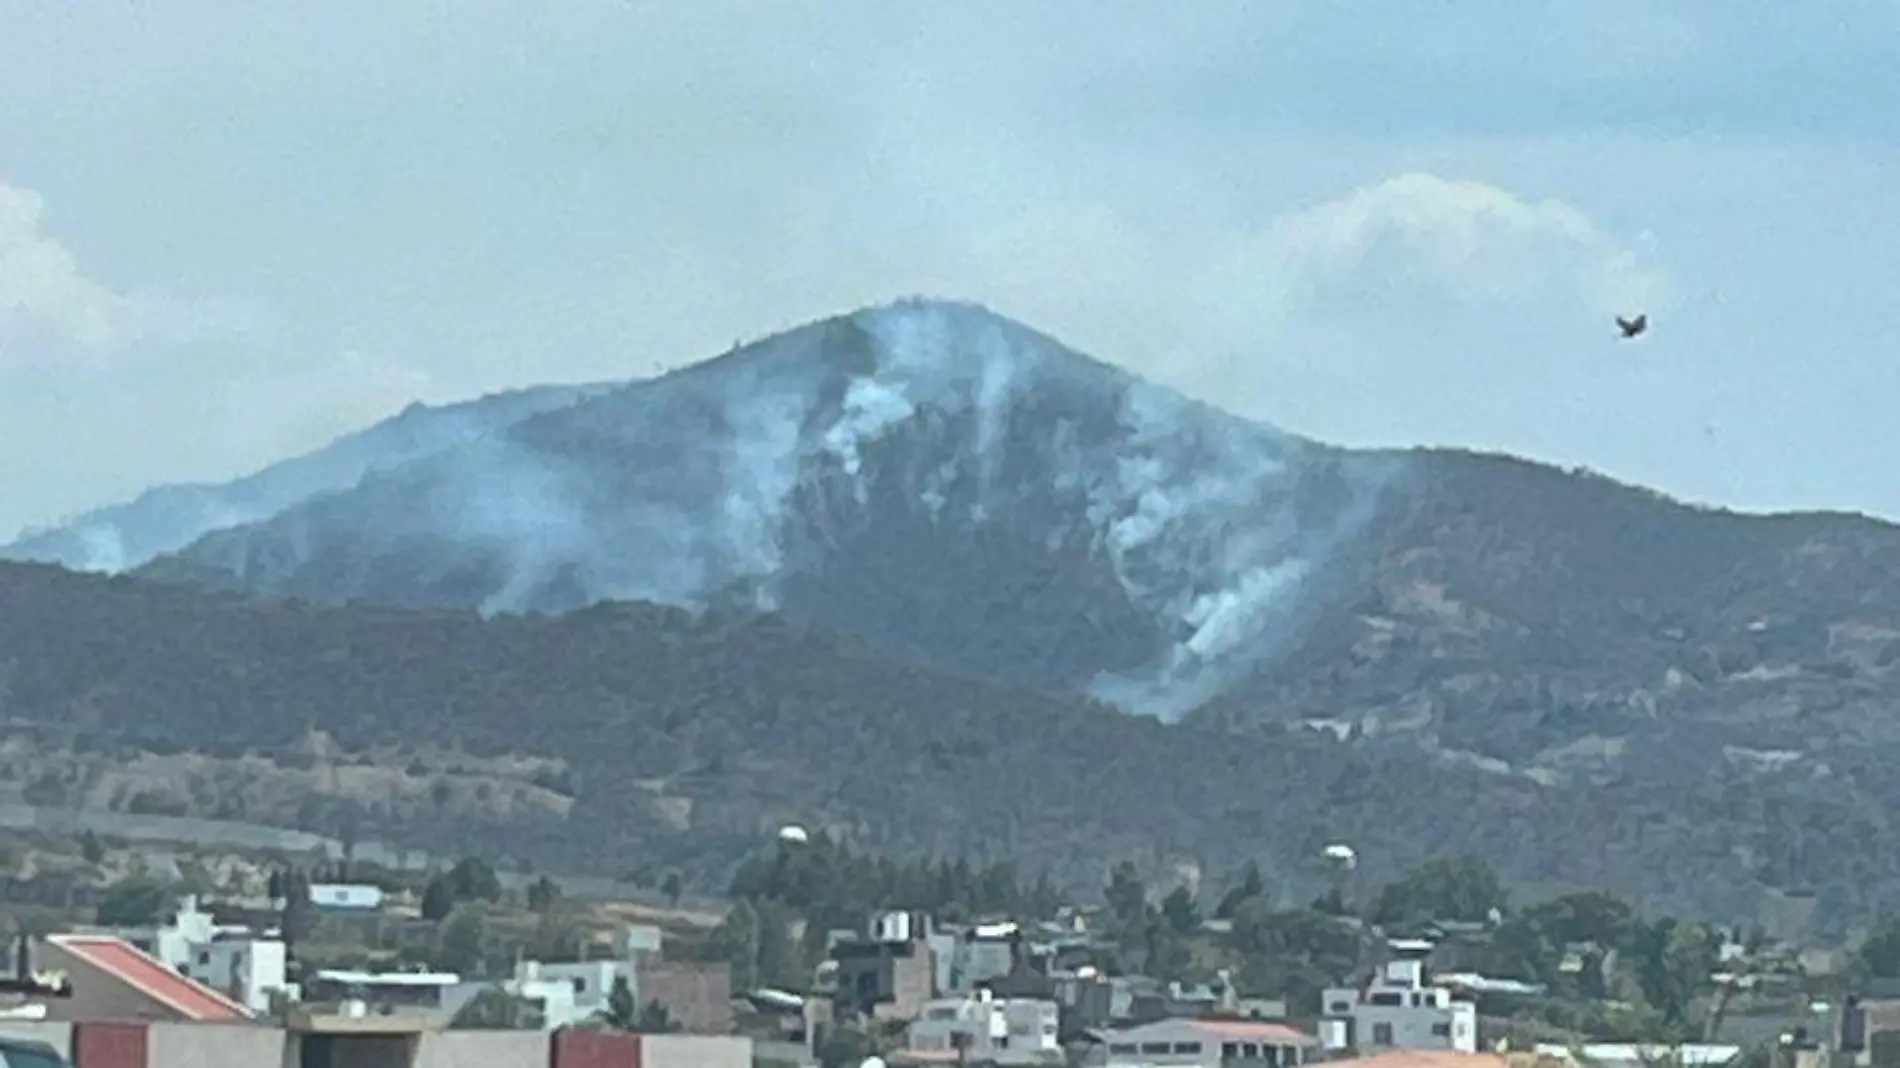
column 44, row 299
column 1449, row 239
column 110, row 392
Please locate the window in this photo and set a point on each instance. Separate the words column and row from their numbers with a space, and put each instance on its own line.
column 580, row 984
column 1441, row 1030
column 1382, row 1034
column 1229, row 1050
column 1000, row 1041
column 1154, row 1047
column 1340, row 1007
column 1388, row 999
column 204, row 957
column 1187, row 1047
column 1121, row 1047
column 1250, row 1051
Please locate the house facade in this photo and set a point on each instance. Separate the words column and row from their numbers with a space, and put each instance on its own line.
column 1203, row 1043
column 1397, row 1009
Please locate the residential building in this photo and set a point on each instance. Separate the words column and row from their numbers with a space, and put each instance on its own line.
column 422, row 994
column 1397, row 1009
column 112, row 979
column 1203, row 1043
column 888, row 974
column 230, row 958
column 553, row 996
column 981, row 1028
column 1628, row 1055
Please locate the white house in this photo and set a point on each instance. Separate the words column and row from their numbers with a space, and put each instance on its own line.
column 554, row 996
column 1398, row 1009
column 1004, row 1030
column 227, row 957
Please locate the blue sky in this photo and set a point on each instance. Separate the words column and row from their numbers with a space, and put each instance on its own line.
column 230, row 232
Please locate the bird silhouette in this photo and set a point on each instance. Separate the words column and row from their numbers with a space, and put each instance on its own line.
column 1632, row 327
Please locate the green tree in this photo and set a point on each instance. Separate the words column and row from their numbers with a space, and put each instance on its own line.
column 1673, row 962
column 1180, row 913
column 1880, row 954
column 494, row 1009
column 90, row 848
column 1462, row 889
column 1292, row 953
column 438, row 899
column 134, row 901
column 298, row 918
column 1126, row 894
column 670, row 886
column 654, row 1019
column 622, row 1011
column 462, row 941
column 1250, row 886
column 542, row 894
column 473, row 879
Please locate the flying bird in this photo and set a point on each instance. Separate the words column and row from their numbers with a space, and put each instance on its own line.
column 1632, row 327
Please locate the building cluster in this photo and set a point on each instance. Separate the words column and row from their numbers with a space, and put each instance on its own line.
column 196, row 993
column 1006, row 993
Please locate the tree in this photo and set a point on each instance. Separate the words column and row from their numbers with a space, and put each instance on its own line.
column 622, row 1011
column 736, row 940
column 438, row 899
column 90, row 848
column 462, row 940
column 494, row 1009
column 134, row 901
column 1179, row 911
column 542, row 894
column 473, row 879
column 1251, row 886
column 1463, row 889
column 654, row 1019
column 1294, row 953
column 1126, row 895
column 1880, row 954
column 298, row 917
column 670, row 886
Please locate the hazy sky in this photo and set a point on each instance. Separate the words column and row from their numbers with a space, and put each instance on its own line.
column 231, row 231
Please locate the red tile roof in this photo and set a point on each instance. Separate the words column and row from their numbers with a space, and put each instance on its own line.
column 1253, row 1031
column 151, row 977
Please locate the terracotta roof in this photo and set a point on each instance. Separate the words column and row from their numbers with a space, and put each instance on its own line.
column 151, row 977
column 1253, row 1031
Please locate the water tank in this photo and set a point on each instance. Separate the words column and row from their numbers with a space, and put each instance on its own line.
column 891, row 928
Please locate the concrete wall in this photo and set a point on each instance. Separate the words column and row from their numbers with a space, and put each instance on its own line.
column 695, row 1051
column 207, row 1045
column 221, row 1045
column 697, row 994
column 57, row 1034
column 481, row 1049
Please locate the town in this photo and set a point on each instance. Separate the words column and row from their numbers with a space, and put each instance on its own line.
column 823, row 957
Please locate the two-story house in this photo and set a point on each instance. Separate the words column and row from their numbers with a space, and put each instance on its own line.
column 1397, row 1009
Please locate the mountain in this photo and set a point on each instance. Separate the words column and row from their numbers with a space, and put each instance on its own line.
column 168, row 518
column 945, row 483
column 918, row 540
column 629, row 735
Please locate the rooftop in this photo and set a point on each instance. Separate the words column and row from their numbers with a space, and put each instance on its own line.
column 150, row 976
